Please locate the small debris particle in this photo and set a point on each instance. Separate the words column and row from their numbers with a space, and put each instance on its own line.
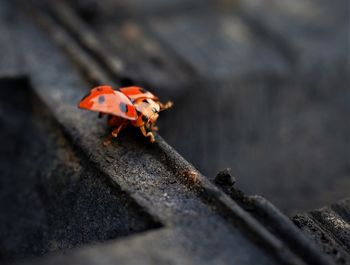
column 224, row 178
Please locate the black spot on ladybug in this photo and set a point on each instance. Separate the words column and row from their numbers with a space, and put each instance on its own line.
column 101, row 99
column 99, row 89
column 123, row 107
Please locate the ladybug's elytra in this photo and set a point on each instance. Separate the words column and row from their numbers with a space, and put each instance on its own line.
column 130, row 105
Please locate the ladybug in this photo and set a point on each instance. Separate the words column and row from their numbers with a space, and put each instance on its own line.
column 130, row 105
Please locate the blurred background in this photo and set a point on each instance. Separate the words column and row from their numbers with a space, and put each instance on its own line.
column 260, row 86
column 272, row 100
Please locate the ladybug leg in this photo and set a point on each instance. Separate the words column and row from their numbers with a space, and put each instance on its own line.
column 116, row 131
column 147, row 133
column 118, row 123
column 164, row 106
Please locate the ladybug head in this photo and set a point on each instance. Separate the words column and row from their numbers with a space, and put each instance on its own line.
column 153, row 110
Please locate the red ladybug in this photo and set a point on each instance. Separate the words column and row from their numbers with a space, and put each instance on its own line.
column 130, row 105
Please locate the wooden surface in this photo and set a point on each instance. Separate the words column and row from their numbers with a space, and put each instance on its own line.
column 259, row 86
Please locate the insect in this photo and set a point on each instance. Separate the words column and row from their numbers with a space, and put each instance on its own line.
column 130, row 105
